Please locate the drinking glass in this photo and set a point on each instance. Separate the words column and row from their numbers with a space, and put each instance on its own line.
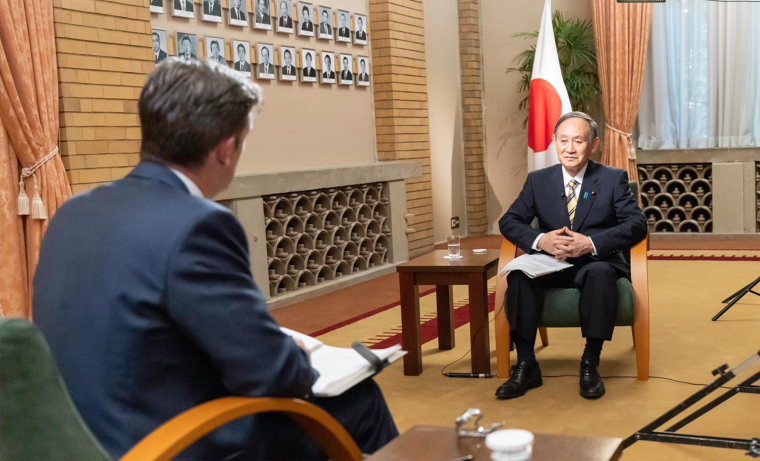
column 454, row 248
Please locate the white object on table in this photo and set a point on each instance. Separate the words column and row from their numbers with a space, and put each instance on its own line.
column 510, row 445
column 479, row 251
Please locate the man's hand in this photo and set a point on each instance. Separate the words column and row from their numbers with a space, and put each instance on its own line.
column 577, row 246
column 303, row 346
column 555, row 243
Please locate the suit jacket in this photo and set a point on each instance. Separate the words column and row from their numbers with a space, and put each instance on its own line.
column 606, row 211
column 344, row 32
column 262, row 69
column 308, row 26
column 330, row 74
column 346, row 75
column 218, row 59
column 288, row 71
column 188, row 5
column 184, row 56
column 161, row 56
column 364, row 77
column 244, row 67
column 325, row 28
column 361, row 35
column 161, row 313
column 286, row 22
column 237, row 14
column 216, row 11
column 264, row 19
column 309, row 72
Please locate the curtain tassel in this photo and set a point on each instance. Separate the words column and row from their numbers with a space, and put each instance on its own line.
column 23, row 200
column 629, row 138
column 38, row 206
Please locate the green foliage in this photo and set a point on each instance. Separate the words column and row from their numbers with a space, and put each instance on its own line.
column 577, row 60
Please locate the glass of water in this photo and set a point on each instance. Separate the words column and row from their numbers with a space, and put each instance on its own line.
column 454, row 248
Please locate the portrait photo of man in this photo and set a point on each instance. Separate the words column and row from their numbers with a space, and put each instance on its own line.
column 360, row 36
column 266, row 65
column 212, row 10
column 284, row 18
column 156, row 6
column 346, row 64
column 242, row 57
column 215, row 50
column 325, row 23
column 328, row 74
column 159, row 45
column 238, row 13
column 362, row 78
column 287, row 68
column 307, row 25
column 344, row 32
column 183, row 8
column 261, row 16
column 309, row 73
column 188, row 46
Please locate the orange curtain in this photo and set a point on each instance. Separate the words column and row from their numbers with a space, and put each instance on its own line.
column 622, row 38
column 29, row 132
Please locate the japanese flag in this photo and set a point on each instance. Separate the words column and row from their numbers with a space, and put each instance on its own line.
column 548, row 96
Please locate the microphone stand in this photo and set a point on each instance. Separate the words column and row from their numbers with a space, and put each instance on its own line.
column 734, row 298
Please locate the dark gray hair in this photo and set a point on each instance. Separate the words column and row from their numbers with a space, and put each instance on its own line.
column 593, row 129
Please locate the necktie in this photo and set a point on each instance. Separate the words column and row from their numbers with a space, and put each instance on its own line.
column 572, row 200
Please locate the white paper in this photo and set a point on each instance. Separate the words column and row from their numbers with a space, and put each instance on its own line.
column 535, row 265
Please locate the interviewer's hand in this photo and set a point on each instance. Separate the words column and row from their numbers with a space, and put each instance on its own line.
column 555, row 243
column 303, row 346
column 578, row 245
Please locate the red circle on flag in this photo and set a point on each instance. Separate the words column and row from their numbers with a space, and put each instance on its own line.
column 545, row 109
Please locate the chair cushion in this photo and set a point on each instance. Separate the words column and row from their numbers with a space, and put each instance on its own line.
column 561, row 306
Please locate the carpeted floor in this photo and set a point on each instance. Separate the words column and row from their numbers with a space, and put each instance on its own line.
column 685, row 292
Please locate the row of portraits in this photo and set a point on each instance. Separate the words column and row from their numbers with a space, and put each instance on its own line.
column 263, row 18
column 331, row 72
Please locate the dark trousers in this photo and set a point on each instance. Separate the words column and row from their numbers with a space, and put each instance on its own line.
column 598, row 304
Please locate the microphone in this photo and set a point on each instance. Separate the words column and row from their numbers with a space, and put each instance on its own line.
column 468, row 375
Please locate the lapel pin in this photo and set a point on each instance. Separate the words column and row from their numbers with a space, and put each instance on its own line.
column 585, row 195
column 593, row 192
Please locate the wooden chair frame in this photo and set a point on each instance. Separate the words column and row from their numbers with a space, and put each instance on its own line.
column 180, row 432
column 640, row 328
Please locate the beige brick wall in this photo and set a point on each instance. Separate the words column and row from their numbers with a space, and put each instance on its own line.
column 104, row 55
column 401, row 109
column 472, row 115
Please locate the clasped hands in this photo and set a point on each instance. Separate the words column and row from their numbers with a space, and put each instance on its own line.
column 564, row 243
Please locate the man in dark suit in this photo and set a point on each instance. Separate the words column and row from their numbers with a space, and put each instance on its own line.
column 306, row 24
column 360, row 34
column 345, row 73
column 363, row 75
column 161, row 313
column 285, row 20
column 288, row 68
column 183, row 5
column 242, row 64
column 186, row 49
column 215, row 56
column 343, row 31
column 308, row 70
column 158, row 54
column 265, row 67
column 261, row 13
column 212, row 8
column 328, row 73
column 237, row 11
column 325, row 28
column 588, row 216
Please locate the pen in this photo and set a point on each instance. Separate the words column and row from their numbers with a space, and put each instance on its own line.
column 468, row 375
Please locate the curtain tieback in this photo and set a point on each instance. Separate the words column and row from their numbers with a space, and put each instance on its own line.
column 38, row 207
column 629, row 136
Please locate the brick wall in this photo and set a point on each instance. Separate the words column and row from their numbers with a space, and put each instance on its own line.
column 104, row 55
column 472, row 114
column 401, row 108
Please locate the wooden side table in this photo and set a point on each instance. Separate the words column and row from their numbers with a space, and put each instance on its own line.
column 472, row 270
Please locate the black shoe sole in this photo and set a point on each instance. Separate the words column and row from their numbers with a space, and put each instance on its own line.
column 533, row 385
column 593, row 395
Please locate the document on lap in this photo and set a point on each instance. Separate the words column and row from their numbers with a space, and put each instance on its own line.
column 535, row 265
column 340, row 368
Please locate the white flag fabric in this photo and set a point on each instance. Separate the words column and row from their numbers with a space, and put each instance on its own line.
column 548, row 96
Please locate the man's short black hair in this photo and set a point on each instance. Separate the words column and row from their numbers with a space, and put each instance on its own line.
column 327, row 58
column 306, row 8
column 214, row 42
column 324, row 11
column 187, row 37
column 359, row 19
column 308, row 55
column 155, row 34
column 240, row 45
column 288, row 52
column 265, row 49
column 593, row 129
column 345, row 59
column 188, row 107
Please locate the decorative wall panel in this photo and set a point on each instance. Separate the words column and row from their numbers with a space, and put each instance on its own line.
column 677, row 198
column 757, row 198
column 321, row 235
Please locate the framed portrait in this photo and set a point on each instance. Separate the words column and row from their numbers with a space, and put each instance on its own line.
column 288, row 69
column 183, row 8
column 157, row 6
column 215, row 50
column 328, row 69
column 284, row 16
column 160, row 50
column 362, row 73
column 187, row 45
column 325, row 23
column 242, row 58
column 344, row 26
column 261, row 17
column 360, row 34
column 212, row 10
column 238, row 13
column 265, row 62
column 346, row 69
column 306, row 16
column 308, row 62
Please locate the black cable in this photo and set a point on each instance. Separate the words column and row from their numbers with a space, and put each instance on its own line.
column 636, row 377
column 471, row 341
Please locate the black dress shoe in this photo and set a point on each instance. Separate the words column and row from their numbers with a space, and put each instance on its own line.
column 521, row 378
column 591, row 383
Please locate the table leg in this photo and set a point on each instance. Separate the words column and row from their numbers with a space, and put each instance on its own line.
column 481, row 358
column 445, row 305
column 410, row 324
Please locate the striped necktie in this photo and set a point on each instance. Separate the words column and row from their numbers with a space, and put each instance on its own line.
column 572, row 200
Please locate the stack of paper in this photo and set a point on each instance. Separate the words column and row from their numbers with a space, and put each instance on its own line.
column 535, row 265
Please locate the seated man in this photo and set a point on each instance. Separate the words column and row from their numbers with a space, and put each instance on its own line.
column 588, row 216
column 145, row 295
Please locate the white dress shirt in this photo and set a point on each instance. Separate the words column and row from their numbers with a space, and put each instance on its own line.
column 191, row 186
column 567, row 178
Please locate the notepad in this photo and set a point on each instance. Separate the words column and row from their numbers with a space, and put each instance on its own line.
column 535, row 265
column 340, row 368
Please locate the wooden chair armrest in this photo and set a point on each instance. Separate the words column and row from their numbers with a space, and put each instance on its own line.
column 183, row 430
column 640, row 283
column 501, row 325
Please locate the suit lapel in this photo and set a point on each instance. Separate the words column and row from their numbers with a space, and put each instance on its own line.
column 589, row 188
column 557, row 195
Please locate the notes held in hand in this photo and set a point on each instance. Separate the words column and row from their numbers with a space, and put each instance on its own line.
column 535, row 265
column 340, row 368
